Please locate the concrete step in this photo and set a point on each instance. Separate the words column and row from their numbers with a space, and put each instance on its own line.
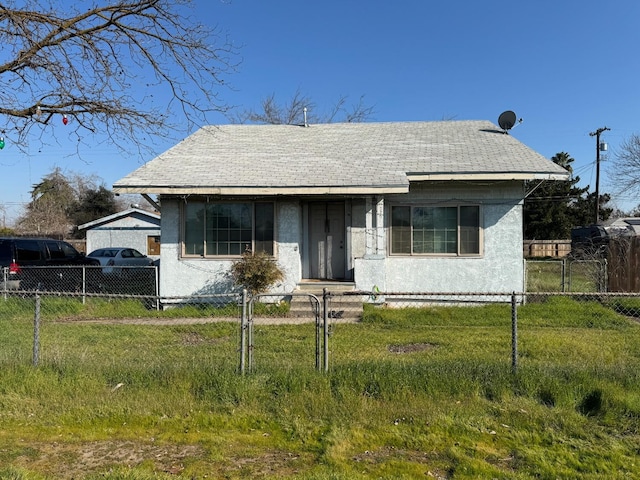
column 341, row 307
column 317, row 287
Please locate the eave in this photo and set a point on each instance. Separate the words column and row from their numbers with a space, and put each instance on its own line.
column 484, row 176
column 239, row 191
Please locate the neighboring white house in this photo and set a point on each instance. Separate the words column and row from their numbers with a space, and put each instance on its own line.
column 134, row 228
column 628, row 226
column 404, row 207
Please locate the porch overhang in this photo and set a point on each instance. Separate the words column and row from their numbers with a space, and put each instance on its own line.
column 274, row 191
column 485, row 176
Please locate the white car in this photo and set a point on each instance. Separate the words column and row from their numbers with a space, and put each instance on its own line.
column 119, row 260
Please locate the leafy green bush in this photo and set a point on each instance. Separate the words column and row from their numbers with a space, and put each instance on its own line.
column 256, row 271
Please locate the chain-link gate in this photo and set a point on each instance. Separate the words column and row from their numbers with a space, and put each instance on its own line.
column 302, row 307
column 566, row 275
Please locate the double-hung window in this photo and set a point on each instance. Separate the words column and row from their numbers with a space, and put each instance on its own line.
column 435, row 230
column 214, row 229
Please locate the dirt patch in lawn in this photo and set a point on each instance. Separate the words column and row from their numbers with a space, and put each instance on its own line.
column 435, row 467
column 68, row 460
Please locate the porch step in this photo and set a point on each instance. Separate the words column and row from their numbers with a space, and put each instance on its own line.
column 317, row 286
column 342, row 308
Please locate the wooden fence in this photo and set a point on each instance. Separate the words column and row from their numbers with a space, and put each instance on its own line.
column 624, row 265
column 547, row 248
column 80, row 245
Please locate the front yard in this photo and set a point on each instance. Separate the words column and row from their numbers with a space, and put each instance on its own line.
column 410, row 393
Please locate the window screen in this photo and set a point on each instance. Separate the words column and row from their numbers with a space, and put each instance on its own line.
column 228, row 229
column 435, row 230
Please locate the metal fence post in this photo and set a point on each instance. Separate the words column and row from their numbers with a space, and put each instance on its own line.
column 564, row 275
column 36, row 332
column 514, row 333
column 325, row 314
column 318, row 331
column 243, row 335
column 250, row 335
column 84, row 284
column 5, row 271
column 156, row 274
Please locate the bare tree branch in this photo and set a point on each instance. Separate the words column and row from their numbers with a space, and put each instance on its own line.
column 121, row 69
column 292, row 112
column 626, row 171
column 359, row 112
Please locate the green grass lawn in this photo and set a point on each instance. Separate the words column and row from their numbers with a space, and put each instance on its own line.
column 411, row 393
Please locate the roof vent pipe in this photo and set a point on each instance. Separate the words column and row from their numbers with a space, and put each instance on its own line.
column 304, row 112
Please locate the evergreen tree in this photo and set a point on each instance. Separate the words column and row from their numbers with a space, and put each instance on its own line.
column 59, row 203
column 583, row 211
column 553, row 208
column 92, row 203
column 46, row 214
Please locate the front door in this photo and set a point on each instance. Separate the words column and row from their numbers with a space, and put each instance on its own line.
column 326, row 240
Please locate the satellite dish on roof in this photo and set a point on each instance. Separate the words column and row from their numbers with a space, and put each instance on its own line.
column 507, row 120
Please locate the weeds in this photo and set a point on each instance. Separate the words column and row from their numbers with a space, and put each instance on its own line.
column 166, row 401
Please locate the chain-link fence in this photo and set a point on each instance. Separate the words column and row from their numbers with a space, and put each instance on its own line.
column 122, row 280
column 240, row 333
column 567, row 275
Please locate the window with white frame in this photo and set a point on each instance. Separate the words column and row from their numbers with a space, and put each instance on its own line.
column 213, row 229
column 435, row 230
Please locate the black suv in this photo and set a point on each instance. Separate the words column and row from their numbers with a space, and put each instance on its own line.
column 589, row 242
column 45, row 264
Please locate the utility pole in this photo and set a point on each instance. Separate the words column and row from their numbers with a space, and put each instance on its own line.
column 597, row 135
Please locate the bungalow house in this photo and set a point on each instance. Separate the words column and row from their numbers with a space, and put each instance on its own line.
column 404, row 207
column 133, row 227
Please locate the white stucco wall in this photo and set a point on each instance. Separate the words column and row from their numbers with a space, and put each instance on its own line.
column 202, row 276
column 499, row 269
column 131, row 231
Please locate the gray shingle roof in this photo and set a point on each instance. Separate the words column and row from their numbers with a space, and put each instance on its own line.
column 336, row 158
column 122, row 214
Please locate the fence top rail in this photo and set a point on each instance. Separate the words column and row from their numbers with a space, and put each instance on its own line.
column 88, row 267
column 290, row 294
column 358, row 293
column 481, row 294
column 52, row 293
column 208, row 295
column 421, row 294
column 566, row 260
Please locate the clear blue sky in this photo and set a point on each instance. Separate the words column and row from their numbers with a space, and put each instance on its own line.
column 566, row 67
